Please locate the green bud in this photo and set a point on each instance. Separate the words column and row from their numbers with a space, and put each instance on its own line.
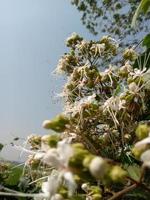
column 73, row 40
column 87, row 160
column 34, row 163
column 96, row 197
column 117, row 174
column 138, row 151
column 142, row 131
column 63, row 191
column 130, row 80
column 95, row 192
column 118, row 6
column 130, row 54
column 124, row 70
column 95, row 189
column 50, row 140
column 34, row 141
column 58, row 197
column 76, row 161
column 78, row 146
column 58, row 124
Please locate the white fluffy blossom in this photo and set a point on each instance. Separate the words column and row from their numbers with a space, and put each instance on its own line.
column 145, row 158
column 114, row 104
column 98, row 167
column 98, row 49
column 143, row 143
column 49, row 188
column 58, row 158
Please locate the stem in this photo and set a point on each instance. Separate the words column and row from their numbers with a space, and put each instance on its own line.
column 19, row 194
column 139, row 184
column 122, row 192
column 142, row 173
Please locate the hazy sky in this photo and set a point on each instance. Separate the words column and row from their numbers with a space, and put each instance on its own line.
column 32, row 34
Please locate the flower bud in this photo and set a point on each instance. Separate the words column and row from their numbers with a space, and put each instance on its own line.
column 76, row 161
column 96, row 197
column 142, row 131
column 130, row 54
column 117, row 174
column 98, row 167
column 48, row 141
column 57, row 197
column 85, row 187
column 34, row 163
column 133, row 87
column 34, row 141
column 58, row 124
column 124, row 70
column 73, row 40
column 87, row 160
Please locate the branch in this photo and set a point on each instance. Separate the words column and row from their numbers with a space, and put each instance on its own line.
column 122, row 192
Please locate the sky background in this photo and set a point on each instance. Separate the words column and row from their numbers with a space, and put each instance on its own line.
column 32, row 35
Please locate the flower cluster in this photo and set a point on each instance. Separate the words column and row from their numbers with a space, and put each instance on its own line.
column 103, row 107
column 94, row 148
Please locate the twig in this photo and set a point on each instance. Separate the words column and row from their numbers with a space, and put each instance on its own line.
column 19, row 194
column 122, row 192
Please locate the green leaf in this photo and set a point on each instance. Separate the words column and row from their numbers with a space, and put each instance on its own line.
column 146, row 41
column 143, row 60
column 144, row 6
column 14, row 176
column 138, row 194
column 118, row 90
column 134, row 171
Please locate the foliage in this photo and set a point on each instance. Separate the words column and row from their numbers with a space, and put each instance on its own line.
column 113, row 18
column 144, row 6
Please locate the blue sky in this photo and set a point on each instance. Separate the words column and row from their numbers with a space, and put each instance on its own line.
column 32, row 34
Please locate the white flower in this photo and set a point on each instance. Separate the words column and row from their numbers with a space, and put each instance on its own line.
column 133, row 87
column 83, row 46
column 143, row 143
column 114, row 103
column 59, row 157
column 65, row 151
column 46, row 123
column 69, row 182
column 44, row 144
column 57, row 197
column 78, row 105
column 98, row 167
column 55, row 180
column 63, row 64
column 73, row 36
column 49, row 188
column 98, row 49
column 39, row 155
column 137, row 73
column 51, row 158
column 145, row 158
column 87, row 100
column 85, row 187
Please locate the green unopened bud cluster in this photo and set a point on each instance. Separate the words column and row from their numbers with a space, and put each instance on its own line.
column 130, row 54
column 142, row 131
column 34, row 141
column 57, row 124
